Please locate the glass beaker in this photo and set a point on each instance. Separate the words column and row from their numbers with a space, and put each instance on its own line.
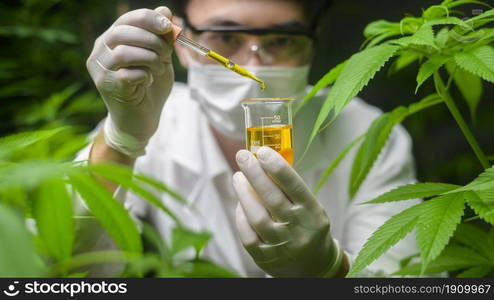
column 268, row 122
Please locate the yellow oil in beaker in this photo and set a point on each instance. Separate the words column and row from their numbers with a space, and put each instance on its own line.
column 234, row 67
column 278, row 138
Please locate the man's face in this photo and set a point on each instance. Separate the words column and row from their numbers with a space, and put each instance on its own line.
column 244, row 48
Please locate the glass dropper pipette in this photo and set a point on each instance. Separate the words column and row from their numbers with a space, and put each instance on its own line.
column 203, row 51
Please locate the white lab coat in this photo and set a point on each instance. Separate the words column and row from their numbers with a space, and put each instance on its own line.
column 184, row 154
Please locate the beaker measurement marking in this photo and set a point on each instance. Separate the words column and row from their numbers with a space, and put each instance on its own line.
column 275, row 119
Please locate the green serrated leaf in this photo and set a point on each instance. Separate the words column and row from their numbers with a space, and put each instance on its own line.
column 450, row 21
column 205, row 269
column 52, row 210
column 475, row 272
column 108, row 211
column 18, row 257
column 375, row 139
column 442, row 37
column 482, row 202
column 469, row 85
column 485, row 181
column 429, row 67
column 451, row 259
column 454, row 4
column 387, row 235
column 30, row 174
column 435, row 11
column 478, row 61
column 414, row 191
column 424, row 36
column 334, row 164
column 405, row 59
column 328, row 79
column 356, row 73
column 125, row 177
column 183, row 238
column 437, row 224
column 17, row 142
column 474, row 237
column 380, row 27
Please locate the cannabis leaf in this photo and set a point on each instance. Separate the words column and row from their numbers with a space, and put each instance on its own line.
column 413, row 191
column 437, row 223
column 478, row 61
column 485, row 181
column 390, row 233
column 428, row 68
column 52, row 210
column 482, row 203
column 451, row 259
column 334, row 164
column 109, row 212
column 324, row 82
column 474, row 237
column 375, row 139
column 18, row 257
column 127, row 179
column 356, row 73
column 469, row 85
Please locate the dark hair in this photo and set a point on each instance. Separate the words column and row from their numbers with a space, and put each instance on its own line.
column 313, row 9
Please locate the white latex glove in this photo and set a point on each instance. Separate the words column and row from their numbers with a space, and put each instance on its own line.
column 280, row 222
column 131, row 67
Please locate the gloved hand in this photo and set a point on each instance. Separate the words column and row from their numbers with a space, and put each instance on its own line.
column 131, row 67
column 280, row 222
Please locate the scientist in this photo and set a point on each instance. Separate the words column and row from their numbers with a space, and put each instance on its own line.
column 263, row 216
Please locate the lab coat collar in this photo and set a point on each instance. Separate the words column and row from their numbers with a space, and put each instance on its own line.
column 195, row 148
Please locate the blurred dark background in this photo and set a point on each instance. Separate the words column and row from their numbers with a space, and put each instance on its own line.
column 43, row 77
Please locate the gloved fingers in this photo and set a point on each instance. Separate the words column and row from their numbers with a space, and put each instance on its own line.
column 257, row 216
column 287, row 178
column 138, row 37
column 248, row 236
column 150, row 20
column 260, row 252
column 124, row 56
column 271, row 195
column 165, row 11
column 127, row 85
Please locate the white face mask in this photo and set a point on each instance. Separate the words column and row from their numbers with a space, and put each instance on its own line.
column 219, row 91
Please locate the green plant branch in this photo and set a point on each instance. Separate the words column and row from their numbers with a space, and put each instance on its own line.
column 443, row 92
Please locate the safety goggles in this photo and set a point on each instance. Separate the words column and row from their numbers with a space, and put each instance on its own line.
column 274, row 45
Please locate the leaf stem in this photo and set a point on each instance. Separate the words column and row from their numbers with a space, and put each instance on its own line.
column 443, row 92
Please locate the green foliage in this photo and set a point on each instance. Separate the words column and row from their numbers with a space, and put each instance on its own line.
column 469, row 85
column 17, row 255
column 482, row 203
column 112, row 215
column 443, row 43
column 329, row 170
column 428, row 68
column 356, row 73
column 183, row 239
column 437, row 223
column 451, row 259
column 413, row 191
column 376, row 137
column 52, row 209
column 391, row 232
column 38, row 186
column 478, row 61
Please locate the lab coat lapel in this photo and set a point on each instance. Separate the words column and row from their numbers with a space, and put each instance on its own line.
column 201, row 166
